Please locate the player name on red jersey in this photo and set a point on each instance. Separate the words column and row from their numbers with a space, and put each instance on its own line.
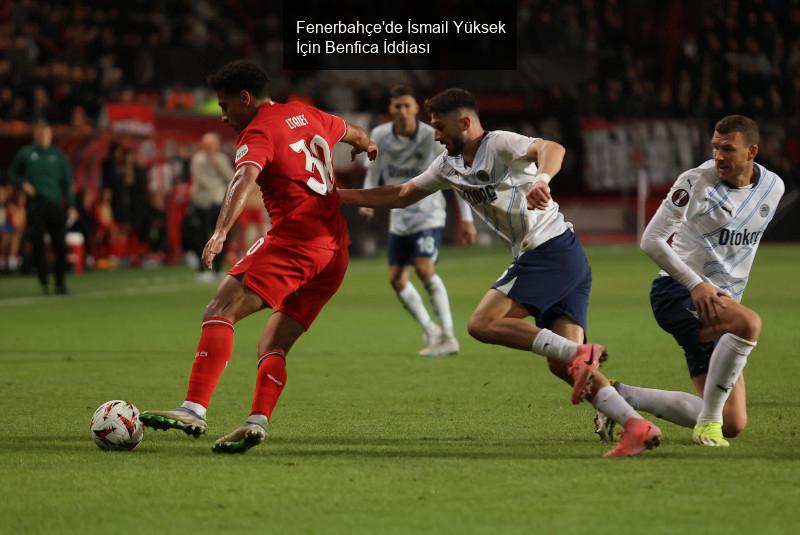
column 297, row 120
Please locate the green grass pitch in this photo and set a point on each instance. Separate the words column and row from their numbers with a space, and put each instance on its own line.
column 370, row 438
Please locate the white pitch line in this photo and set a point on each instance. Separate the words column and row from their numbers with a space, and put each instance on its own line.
column 144, row 290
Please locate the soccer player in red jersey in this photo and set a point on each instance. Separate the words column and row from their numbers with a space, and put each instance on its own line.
column 285, row 150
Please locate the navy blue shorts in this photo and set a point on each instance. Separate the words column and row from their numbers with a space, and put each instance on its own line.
column 551, row 281
column 403, row 250
column 674, row 312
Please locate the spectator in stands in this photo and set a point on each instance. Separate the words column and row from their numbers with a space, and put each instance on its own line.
column 211, row 172
column 44, row 174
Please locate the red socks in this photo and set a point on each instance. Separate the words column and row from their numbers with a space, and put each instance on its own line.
column 270, row 382
column 213, row 352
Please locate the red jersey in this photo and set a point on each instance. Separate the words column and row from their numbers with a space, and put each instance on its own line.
column 292, row 145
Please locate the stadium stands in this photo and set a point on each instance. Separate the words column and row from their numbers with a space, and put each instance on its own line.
column 607, row 79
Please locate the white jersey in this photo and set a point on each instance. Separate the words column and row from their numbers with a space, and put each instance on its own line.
column 495, row 186
column 399, row 159
column 718, row 227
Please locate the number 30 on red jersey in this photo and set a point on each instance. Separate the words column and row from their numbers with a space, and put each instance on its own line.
column 318, row 158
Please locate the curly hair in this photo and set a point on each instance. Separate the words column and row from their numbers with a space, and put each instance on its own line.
column 240, row 75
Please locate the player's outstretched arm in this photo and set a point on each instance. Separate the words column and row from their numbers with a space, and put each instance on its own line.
column 357, row 137
column 548, row 156
column 395, row 196
column 239, row 189
column 707, row 298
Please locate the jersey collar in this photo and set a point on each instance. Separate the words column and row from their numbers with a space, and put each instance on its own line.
column 751, row 185
column 412, row 137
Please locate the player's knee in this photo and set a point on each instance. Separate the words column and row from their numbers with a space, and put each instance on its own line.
column 748, row 325
column 219, row 308
column 424, row 272
column 213, row 310
column 397, row 284
column 424, row 275
column 478, row 327
column 733, row 427
column 398, row 279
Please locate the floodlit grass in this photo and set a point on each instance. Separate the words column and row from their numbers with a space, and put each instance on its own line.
column 369, row 437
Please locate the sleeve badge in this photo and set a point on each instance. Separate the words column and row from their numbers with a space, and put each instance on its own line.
column 680, row 198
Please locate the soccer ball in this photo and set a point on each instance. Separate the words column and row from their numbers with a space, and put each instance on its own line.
column 115, row 425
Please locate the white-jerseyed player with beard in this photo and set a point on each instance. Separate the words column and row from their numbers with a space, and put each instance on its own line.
column 717, row 214
column 406, row 147
column 504, row 177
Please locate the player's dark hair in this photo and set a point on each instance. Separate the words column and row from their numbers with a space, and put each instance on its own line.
column 450, row 100
column 739, row 123
column 401, row 91
column 240, row 75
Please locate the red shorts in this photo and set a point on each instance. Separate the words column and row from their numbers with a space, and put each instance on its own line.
column 294, row 279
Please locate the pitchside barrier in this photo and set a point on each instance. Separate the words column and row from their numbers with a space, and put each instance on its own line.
column 625, row 169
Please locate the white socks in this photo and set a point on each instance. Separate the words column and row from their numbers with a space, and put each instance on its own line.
column 679, row 408
column 195, row 408
column 441, row 304
column 411, row 299
column 727, row 362
column 608, row 401
column 437, row 292
column 551, row 345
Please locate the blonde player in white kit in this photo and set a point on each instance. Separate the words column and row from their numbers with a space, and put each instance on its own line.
column 406, row 147
column 717, row 214
column 504, row 177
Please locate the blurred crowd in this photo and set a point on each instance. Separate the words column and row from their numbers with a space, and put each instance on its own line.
column 143, row 213
column 60, row 61
column 580, row 62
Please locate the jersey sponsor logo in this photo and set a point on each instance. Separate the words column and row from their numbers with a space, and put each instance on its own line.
column 680, row 198
column 764, row 210
column 480, row 195
column 483, row 176
column 744, row 237
column 240, row 152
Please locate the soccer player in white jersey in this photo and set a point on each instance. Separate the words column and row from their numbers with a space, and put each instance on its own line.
column 716, row 214
column 504, row 177
column 407, row 146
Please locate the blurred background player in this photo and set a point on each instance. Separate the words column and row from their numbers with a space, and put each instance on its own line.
column 285, row 150
column 44, row 174
column 12, row 226
column 252, row 224
column 407, row 146
column 504, row 177
column 716, row 215
column 211, row 172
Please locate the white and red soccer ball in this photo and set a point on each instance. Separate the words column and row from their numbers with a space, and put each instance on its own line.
column 115, row 425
